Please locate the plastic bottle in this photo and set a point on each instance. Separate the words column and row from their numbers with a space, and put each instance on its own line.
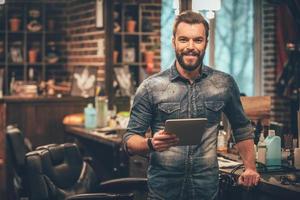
column 297, row 158
column 90, row 116
column 102, row 111
column 261, row 149
column 255, row 151
column 12, row 83
column 273, row 154
column 222, row 139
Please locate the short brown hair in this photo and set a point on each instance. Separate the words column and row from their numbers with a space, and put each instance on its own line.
column 190, row 17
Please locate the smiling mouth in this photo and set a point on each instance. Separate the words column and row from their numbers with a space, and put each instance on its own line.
column 190, row 56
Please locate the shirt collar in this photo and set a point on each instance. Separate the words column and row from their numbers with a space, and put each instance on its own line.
column 174, row 74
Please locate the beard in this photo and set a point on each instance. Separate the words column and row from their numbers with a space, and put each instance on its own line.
column 190, row 66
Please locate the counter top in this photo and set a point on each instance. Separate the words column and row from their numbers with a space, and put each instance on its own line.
column 15, row 99
column 271, row 183
column 111, row 137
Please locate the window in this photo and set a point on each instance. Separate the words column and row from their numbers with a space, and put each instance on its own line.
column 231, row 42
column 169, row 10
column 234, row 42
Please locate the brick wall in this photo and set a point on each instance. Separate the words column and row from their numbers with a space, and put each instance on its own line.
column 85, row 42
column 152, row 13
column 280, row 106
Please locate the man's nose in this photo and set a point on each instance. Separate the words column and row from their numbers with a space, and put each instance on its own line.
column 191, row 44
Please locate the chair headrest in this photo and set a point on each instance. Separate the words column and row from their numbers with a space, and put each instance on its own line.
column 57, row 171
column 63, row 164
column 16, row 145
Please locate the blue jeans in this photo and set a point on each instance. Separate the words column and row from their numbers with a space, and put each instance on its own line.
column 183, row 173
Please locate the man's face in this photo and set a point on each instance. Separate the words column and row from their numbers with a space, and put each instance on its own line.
column 190, row 44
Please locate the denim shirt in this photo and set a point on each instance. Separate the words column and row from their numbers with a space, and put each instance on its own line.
column 187, row 172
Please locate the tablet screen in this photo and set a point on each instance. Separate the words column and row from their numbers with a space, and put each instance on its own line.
column 189, row 131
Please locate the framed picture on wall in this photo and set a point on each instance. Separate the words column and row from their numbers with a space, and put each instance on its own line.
column 129, row 55
column 99, row 13
column 84, row 81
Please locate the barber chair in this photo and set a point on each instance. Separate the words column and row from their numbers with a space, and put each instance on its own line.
column 59, row 172
column 16, row 148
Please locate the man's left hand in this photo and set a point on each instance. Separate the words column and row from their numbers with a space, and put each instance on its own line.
column 249, row 178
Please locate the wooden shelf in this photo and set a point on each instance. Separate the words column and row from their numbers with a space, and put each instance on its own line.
column 138, row 33
column 15, row 64
column 29, row 39
column 131, row 45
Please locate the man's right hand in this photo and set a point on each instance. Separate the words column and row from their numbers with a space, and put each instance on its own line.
column 162, row 140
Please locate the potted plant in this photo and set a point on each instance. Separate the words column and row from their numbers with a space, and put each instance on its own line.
column 32, row 55
column 15, row 23
column 115, row 56
column 130, row 25
column 149, row 55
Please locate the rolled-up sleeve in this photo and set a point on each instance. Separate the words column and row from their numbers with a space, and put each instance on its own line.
column 140, row 115
column 240, row 124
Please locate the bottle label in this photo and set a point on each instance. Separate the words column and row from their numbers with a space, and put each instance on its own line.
column 221, row 143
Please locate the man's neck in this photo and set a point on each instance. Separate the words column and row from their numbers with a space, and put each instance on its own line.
column 190, row 75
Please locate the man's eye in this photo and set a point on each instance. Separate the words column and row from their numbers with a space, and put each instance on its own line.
column 198, row 40
column 182, row 40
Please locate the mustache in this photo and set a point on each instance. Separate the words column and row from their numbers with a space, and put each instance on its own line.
column 190, row 53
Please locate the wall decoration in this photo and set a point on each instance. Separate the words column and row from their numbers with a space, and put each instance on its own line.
column 99, row 13
column 84, row 81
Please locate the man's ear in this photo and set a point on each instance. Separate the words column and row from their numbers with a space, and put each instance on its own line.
column 206, row 43
column 173, row 42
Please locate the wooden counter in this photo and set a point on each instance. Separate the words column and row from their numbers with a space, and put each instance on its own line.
column 269, row 187
column 105, row 148
column 40, row 118
column 108, row 158
column 104, row 137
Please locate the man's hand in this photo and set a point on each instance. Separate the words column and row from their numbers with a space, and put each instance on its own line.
column 249, row 178
column 162, row 141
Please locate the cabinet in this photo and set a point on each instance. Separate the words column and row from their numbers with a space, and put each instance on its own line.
column 32, row 41
column 40, row 118
column 136, row 32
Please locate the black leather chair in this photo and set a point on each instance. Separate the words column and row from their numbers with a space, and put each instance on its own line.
column 16, row 147
column 59, row 172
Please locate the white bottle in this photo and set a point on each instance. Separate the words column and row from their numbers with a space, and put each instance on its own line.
column 297, row 158
column 273, row 155
column 261, row 149
column 222, row 139
column 255, row 151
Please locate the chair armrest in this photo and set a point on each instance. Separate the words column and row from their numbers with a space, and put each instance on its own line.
column 101, row 196
column 88, row 159
column 46, row 146
column 124, row 185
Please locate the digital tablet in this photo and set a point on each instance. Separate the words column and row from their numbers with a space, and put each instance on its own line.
column 189, row 131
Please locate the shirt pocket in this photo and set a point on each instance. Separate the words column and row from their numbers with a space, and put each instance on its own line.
column 213, row 111
column 169, row 110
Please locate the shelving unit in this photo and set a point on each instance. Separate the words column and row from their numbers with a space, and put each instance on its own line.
column 41, row 23
column 130, row 45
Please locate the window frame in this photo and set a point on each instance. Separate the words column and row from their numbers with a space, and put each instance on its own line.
column 257, row 68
